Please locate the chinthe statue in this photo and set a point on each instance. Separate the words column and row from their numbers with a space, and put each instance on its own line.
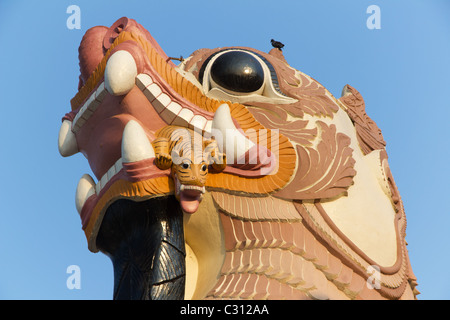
column 231, row 175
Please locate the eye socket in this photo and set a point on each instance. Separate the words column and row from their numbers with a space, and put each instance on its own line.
column 237, row 71
column 241, row 75
column 185, row 165
column 204, row 167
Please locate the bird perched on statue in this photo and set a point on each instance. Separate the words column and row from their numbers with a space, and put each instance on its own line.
column 277, row 44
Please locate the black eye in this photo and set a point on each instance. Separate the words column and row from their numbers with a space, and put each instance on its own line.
column 204, row 167
column 185, row 165
column 238, row 71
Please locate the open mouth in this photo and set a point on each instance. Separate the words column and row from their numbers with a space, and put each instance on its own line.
column 129, row 92
column 132, row 93
column 139, row 213
column 189, row 196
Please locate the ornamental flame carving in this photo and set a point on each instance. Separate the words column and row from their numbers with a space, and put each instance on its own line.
column 293, row 199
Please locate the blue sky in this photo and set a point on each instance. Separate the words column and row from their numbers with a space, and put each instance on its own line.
column 402, row 71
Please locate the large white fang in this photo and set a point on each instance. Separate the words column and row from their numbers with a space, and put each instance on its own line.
column 135, row 144
column 67, row 143
column 230, row 141
column 120, row 73
column 85, row 189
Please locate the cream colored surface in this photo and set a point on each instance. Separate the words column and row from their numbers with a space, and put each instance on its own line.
column 120, row 73
column 205, row 250
column 230, row 140
column 366, row 215
column 85, row 189
column 67, row 142
column 135, row 143
column 191, row 273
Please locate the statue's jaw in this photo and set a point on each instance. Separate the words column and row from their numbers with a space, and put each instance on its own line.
column 296, row 198
column 189, row 196
column 116, row 115
column 115, row 134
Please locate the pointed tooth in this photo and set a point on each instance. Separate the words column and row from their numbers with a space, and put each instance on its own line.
column 67, row 143
column 120, row 73
column 204, row 189
column 229, row 139
column 85, row 189
column 182, row 187
column 135, row 144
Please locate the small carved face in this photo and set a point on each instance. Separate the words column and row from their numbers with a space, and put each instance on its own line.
column 190, row 172
column 190, row 179
column 189, row 163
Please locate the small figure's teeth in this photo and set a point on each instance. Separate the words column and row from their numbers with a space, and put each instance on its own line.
column 230, row 141
column 190, row 187
column 203, row 189
column 67, row 143
column 85, row 189
column 135, row 144
column 120, row 73
column 177, row 186
column 190, row 198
